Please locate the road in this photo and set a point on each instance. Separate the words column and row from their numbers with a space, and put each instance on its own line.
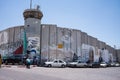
column 41, row 73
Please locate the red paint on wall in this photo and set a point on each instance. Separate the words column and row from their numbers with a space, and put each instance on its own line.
column 19, row 50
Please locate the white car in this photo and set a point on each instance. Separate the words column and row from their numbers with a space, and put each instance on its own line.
column 112, row 64
column 77, row 64
column 103, row 64
column 55, row 63
column 117, row 64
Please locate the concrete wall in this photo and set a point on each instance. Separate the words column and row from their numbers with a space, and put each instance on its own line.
column 118, row 55
column 10, row 39
column 79, row 47
column 44, row 41
column 53, row 42
column 74, row 42
column 49, row 38
column 84, row 37
column 89, row 40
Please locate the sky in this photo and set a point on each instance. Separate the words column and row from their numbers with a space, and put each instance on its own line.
column 98, row 18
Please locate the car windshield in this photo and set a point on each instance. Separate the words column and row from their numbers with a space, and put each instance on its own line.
column 60, row 61
column 103, row 62
column 95, row 62
column 55, row 61
column 79, row 61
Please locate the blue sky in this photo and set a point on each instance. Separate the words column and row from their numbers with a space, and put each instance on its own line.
column 98, row 18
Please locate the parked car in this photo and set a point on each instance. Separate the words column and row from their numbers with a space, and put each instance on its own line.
column 114, row 64
column 55, row 63
column 108, row 64
column 12, row 59
column 117, row 64
column 94, row 65
column 103, row 64
column 77, row 64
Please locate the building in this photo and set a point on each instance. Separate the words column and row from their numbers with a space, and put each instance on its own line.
column 52, row 42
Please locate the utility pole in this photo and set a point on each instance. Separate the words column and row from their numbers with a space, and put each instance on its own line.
column 30, row 4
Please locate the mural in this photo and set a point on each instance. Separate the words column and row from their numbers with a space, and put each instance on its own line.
column 90, row 53
column 110, row 57
column 65, row 38
column 3, row 37
column 8, row 45
column 85, row 52
column 105, row 55
column 54, row 43
column 12, row 48
column 33, row 46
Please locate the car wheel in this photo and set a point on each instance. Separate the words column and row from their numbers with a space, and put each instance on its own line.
column 85, row 65
column 13, row 63
column 6, row 62
column 49, row 65
column 62, row 66
column 75, row 66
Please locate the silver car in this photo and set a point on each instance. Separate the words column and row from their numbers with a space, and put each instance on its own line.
column 55, row 63
column 103, row 64
column 115, row 64
column 77, row 64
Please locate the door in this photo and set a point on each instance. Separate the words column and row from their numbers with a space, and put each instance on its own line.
column 55, row 63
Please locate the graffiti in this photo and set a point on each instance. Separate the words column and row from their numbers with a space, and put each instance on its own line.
column 3, row 37
column 105, row 55
column 66, row 41
column 33, row 46
column 59, row 43
column 11, row 47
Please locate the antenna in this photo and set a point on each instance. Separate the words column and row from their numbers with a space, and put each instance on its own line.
column 37, row 7
column 30, row 4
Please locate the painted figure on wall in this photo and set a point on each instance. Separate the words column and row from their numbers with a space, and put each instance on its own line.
column 33, row 46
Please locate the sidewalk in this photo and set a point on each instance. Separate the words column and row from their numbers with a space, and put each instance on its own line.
column 17, row 66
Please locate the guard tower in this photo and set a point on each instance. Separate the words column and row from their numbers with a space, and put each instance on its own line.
column 32, row 21
column 32, row 28
column 33, row 13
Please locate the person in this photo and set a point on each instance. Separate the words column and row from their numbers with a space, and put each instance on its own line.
column 28, row 62
column 37, row 61
column 0, row 60
column 34, row 60
column 75, row 57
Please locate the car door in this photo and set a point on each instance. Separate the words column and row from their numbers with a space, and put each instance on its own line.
column 60, row 63
column 80, row 64
column 55, row 63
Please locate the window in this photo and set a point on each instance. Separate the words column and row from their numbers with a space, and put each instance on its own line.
column 55, row 61
column 60, row 61
column 79, row 61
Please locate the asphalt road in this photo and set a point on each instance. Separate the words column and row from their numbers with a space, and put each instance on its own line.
column 8, row 74
column 41, row 73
